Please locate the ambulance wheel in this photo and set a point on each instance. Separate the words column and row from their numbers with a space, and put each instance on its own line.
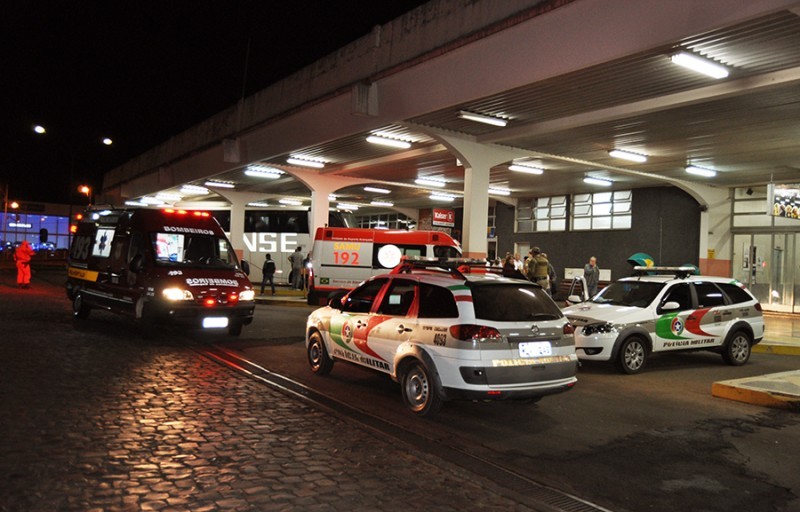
column 318, row 358
column 419, row 390
column 632, row 355
column 235, row 328
column 79, row 308
column 736, row 350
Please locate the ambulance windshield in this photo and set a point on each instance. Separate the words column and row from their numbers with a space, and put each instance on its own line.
column 192, row 250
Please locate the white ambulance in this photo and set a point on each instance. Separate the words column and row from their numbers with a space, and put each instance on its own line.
column 341, row 258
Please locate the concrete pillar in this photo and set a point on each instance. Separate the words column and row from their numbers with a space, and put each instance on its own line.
column 715, row 229
column 321, row 186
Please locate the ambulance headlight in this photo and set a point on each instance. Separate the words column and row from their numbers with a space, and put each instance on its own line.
column 176, row 294
column 247, row 295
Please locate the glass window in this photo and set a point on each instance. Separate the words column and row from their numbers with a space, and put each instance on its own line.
column 513, row 303
column 708, row 295
column 398, row 298
column 436, row 302
column 629, row 293
column 177, row 249
column 680, row 293
column 545, row 210
column 736, row 294
column 607, row 210
column 360, row 300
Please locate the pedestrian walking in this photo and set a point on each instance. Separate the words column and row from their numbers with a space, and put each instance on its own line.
column 592, row 276
column 296, row 259
column 268, row 274
column 23, row 255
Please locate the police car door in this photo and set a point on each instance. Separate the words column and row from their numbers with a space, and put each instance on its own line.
column 671, row 331
column 712, row 314
column 394, row 322
column 350, row 328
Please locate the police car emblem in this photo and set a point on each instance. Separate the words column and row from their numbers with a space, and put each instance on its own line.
column 347, row 332
column 535, row 329
column 677, row 326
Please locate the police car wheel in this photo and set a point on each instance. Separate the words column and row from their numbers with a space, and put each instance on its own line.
column 736, row 350
column 632, row 355
column 79, row 308
column 318, row 357
column 419, row 390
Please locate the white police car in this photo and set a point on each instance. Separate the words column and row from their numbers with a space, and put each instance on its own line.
column 636, row 316
column 445, row 332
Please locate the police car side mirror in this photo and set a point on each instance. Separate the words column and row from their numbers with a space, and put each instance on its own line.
column 574, row 299
column 670, row 306
column 246, row 267
column 137, row 264
column 335, row 300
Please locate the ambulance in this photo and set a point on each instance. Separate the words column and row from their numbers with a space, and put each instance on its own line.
column 159, row 265
column 341, row 258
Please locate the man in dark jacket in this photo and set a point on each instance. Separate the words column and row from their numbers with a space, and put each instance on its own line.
column 268, row 274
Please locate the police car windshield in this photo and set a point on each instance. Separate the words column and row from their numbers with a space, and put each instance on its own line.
column 192, row 250
column 629, row 293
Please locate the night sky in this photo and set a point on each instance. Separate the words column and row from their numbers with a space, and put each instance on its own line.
column 140, row 72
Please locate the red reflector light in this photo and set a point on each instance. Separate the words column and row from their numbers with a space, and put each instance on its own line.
column 233, row 298
column 569, row 328
column 169, row 210
column 209, row 302
column 494, row 393
column 466, row 332
column 181, row 212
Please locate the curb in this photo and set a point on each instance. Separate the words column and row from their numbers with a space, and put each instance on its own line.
column 778, row 349
column 777, row 390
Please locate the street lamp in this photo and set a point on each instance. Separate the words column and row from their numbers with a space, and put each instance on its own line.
column 87, row 191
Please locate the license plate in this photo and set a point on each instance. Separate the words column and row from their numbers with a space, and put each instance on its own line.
column 535, row 349
column 215, row 322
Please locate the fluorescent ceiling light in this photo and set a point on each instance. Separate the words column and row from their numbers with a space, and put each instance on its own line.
column 386, row 141
column 381, row 203
column 291, row 202
column 331, row 197
column 441, row 197
column 258, row 203
column 525, row 168
column 219, row 184
column 191, row 190
column 430, row 182
column 597, row 181
column 165, row 196
column 699, row 64
column 499, row 192
column 482, row 118
column 305, row 162
column 701, row 171
column 377, row 190
column 628, row 155
column 135, row 203
column 262, row 171
column 151, row 200
column 347, row 206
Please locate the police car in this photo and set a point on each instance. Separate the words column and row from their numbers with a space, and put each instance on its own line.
column 636, row 316
column 446, row 332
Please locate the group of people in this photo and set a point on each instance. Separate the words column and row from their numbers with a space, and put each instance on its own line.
column 537, row 267
column 297, row 276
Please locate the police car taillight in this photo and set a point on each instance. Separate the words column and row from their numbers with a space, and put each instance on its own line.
column 568, row 328
column 471, row 332
column 758, row 306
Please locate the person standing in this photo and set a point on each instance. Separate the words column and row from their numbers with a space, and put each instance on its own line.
column 268, row 274
column 23, row 255
column 538, row 268
column 296, row 259
column 592, row 276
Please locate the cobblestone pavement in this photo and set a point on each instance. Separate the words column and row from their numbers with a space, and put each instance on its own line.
column 93, row 417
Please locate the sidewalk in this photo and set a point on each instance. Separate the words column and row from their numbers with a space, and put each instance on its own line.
column 97, row 419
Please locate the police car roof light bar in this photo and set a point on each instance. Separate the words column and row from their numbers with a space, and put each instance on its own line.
column 680, row 272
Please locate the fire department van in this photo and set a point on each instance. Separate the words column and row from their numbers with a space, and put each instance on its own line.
column 341, row 258
column 156, row 265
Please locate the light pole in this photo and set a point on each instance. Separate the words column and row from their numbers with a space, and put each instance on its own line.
column 41, row 130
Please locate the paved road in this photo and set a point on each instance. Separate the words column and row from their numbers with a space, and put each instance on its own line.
column 94, row 417
column 657, row 441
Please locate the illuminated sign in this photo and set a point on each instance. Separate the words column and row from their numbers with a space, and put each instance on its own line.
column 19, row 225
column 442, row 217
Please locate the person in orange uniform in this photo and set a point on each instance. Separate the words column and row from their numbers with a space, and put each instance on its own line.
column 23, row 256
